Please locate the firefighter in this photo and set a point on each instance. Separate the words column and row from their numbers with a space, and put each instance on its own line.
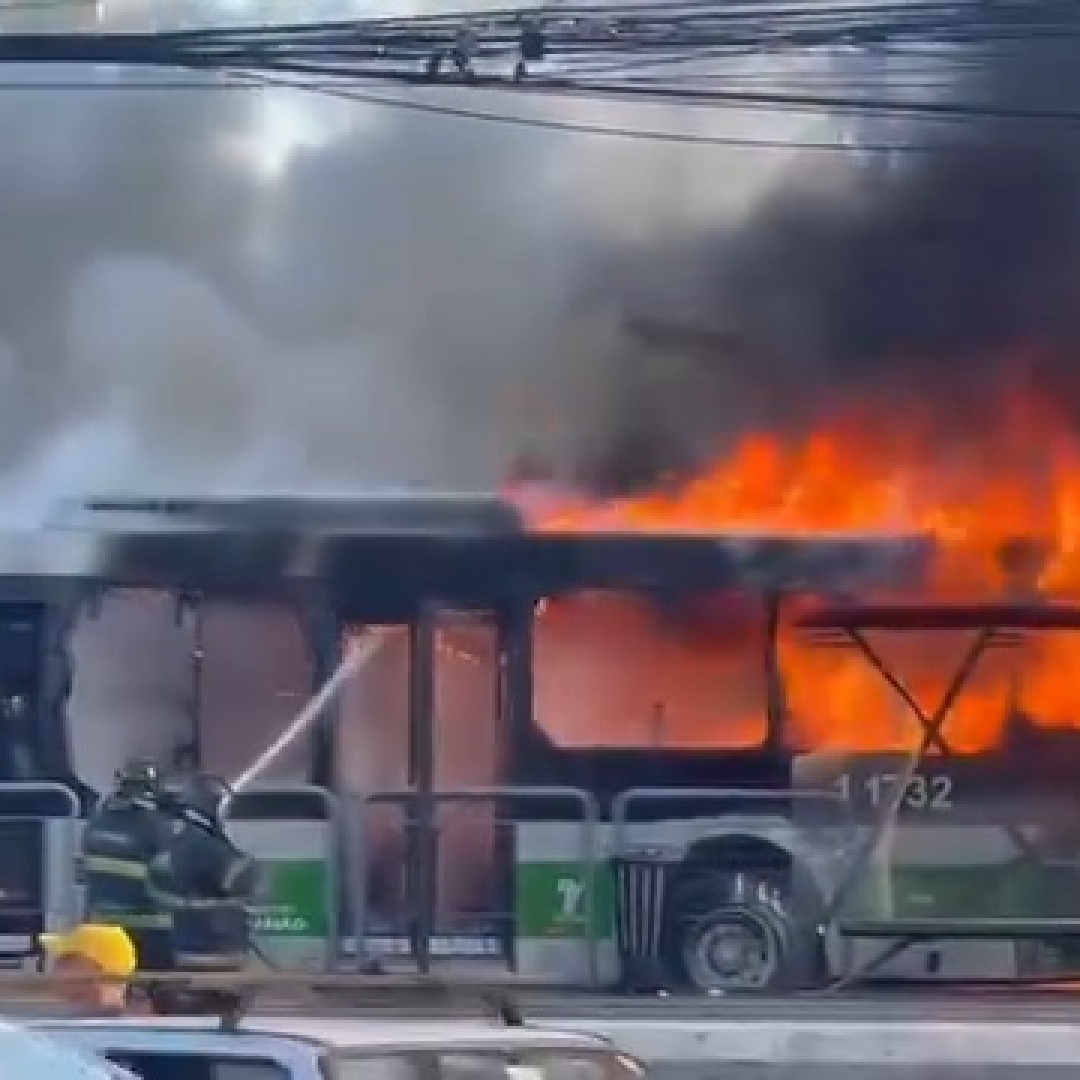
column 205, row 882
column 95, row 963
column 122, row 838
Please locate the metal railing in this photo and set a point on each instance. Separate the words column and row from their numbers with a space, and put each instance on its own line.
column 243, row 809
column 43, row 859
column 413, row 919
column 752, row 798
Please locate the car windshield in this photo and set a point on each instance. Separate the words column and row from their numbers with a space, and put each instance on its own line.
column 540, row 1063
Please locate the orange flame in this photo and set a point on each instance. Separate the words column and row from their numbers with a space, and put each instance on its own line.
column 617, row 674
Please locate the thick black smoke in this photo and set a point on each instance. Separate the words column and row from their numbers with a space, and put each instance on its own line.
column 932, row 278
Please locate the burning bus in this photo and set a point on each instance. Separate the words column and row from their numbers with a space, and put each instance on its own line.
column 651, row 741
column 939, row 711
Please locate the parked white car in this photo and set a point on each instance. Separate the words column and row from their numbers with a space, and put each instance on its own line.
column 25, row 1053
column 343, row 1047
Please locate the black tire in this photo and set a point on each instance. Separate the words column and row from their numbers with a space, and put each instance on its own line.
column 738, row 932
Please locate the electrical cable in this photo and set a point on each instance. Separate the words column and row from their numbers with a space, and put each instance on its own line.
column 611, row 32
column 630, row 91
column 324, row 77
column 387, row 51
column 544, row 124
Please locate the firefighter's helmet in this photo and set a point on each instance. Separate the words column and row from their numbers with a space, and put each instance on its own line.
column 204, row 797
column 138, row 779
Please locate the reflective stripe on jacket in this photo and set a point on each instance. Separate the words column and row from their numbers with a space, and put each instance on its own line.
column 121, row 868
column 119, row 915
column 120, row 842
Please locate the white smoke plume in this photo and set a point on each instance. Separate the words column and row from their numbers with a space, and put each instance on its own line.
column 214, row 287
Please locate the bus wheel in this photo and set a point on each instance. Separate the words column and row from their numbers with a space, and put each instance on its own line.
column 736, row 934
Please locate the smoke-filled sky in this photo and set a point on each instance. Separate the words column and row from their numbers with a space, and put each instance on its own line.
column 210, row 287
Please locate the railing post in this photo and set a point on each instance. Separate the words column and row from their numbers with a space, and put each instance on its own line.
column 422, row 844
column 57, row 892
column 587, row 847
column 329, row 852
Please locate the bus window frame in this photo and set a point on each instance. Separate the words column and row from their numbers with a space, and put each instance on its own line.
column 759, row 660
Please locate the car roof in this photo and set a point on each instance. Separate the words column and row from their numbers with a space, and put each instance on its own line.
column 326, row 1032
column 29, row 1053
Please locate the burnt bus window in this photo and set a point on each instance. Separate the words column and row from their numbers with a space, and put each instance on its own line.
column 620, row 669
column 20, row 680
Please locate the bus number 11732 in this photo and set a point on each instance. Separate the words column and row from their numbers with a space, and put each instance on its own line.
column 881, row 790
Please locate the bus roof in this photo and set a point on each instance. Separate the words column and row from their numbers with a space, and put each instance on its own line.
column 383, row 555
column 378, row 512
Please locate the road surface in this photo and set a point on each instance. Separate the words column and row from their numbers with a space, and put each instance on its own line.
column 925, row 1036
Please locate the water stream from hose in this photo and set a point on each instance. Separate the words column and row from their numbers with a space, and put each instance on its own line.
column 360, row 653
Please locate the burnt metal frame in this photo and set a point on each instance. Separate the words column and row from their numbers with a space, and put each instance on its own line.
column 423, row 824
column 932, row 722
column 422, row 840
column 987, row 622
column 323, row 632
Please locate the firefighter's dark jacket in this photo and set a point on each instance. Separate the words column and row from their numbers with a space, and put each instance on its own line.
column 120, row 843
column 208, row 885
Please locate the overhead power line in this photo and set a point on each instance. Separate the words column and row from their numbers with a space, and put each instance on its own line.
column 340, row 56
column 162, row 53
column 547, row 124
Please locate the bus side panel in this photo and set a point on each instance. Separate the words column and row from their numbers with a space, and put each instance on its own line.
column 551, row 904
column 296, row 909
